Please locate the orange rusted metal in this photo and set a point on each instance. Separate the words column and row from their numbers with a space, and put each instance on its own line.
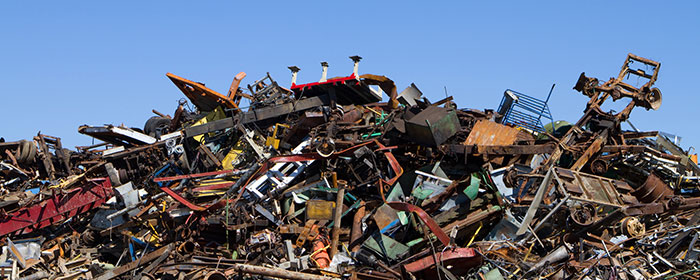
column 488, row 133
column 204, row 98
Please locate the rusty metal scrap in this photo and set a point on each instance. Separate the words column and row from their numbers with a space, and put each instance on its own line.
column 325, row 180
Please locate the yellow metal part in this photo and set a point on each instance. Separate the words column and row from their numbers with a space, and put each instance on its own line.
column 319, row 209
column 155, row 237
column 211, row 182
column 212, row 192
column 63, row 183
column 217, row 114
column 273, row 140
column 232, row 158
column 206, row 193
column 475, row 233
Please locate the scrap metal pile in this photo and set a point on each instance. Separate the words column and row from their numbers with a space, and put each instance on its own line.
column 324, row 180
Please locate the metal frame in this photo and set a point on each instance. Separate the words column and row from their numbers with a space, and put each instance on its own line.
column 525, row 111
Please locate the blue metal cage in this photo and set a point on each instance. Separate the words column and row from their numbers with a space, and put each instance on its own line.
column 525, row 111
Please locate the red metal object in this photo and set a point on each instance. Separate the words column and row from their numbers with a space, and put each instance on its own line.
column 395, row 166
column 287, row 158
column 190, row 176
column 350, row 90
column 329, row 81
column 214, row 187
column 402, row 206
column 460, row 260
column 432, row 225
column 57, row 208
column 182, row 200
column 319, row 253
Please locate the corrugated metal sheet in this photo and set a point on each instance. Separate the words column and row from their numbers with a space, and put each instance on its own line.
column 488, row 133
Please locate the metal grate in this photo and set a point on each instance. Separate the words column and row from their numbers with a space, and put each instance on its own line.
column 525, row 111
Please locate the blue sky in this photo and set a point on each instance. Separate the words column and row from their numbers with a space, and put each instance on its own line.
column 64, row 64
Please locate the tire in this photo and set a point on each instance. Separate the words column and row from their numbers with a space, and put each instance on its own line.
column 156, row 126
column 32, row 152
column 27, row 152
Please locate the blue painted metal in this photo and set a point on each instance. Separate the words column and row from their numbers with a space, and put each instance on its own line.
column 132, row 249
column 525, row 111
column 166, row 168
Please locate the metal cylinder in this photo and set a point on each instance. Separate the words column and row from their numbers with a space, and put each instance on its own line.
column 186, row 247
column 356, row 231
column 320, row 255
column 652, row 189
column 337, row 217
column 275, row 272
column 558, row 255
column 352, row 116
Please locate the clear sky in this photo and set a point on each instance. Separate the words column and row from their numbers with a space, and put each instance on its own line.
column 64, row 63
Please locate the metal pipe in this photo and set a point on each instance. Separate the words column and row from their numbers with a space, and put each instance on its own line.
column 560, row 254
column 274, row 272
column 356, row 59
column 159, row 113
column 356, row 232
column 295, row 71
column 337, row 216
column 324, row 74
